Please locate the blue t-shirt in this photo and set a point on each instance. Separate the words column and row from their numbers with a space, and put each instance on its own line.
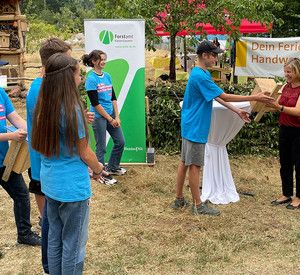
column 31, row 99
column 66, row 178
column 103, row 85
column 197, row 106
column 6, row 108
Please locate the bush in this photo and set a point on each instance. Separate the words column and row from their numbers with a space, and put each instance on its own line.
column 164, row 116
column 164, row 121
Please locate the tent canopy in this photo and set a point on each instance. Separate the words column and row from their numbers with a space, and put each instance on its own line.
column 245, row 27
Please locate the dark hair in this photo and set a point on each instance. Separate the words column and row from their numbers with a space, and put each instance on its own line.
column 58, row 106
column 51, row 46
column 93, row 56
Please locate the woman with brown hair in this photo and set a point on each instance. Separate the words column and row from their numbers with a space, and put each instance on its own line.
column 60, row 135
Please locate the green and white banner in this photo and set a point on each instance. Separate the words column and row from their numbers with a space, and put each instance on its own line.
column 124, row 43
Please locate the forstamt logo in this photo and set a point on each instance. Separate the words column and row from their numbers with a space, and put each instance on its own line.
column 106, row 37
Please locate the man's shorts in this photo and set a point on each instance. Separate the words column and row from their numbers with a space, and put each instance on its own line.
column 34, row 185
column 192, row 152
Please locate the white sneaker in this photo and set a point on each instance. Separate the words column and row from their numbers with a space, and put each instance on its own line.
column 108, row 180
column 120, row 171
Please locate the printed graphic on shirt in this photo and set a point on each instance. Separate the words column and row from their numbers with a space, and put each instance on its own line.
column 101, row 88
column 2, row 109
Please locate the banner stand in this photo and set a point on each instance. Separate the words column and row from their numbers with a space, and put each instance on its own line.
column 123, row 41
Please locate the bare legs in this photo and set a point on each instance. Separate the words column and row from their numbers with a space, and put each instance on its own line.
column 194, row 177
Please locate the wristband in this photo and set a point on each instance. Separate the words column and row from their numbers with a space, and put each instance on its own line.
column 97, row 174
column 111, row 120
column 282, row 107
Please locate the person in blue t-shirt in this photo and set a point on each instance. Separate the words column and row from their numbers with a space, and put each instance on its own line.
column 15, row 186
column 104, row 103
column 60, row 135
column 195, row 123
column 48, row 48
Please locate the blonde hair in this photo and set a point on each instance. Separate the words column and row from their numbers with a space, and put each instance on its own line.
column 294, row 63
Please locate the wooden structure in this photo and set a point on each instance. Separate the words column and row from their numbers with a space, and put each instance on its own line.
column 262, row 85
column 12, row 41
column 16, row 159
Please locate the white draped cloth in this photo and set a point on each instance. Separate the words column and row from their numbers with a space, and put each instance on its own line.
column 217, row 184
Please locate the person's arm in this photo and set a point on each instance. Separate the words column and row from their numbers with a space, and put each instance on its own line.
column 89, row 157
column 271, row 108
column 90, row 116
column 18, row 135
column 93, row 96
column 17, row 121
column 261, row 97
column 117, row 118
column 244, row 115
column 294, row 111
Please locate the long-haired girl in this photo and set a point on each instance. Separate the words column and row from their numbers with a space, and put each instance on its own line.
column 60, row 134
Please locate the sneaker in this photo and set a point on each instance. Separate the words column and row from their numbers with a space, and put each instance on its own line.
column 120, row 171
column 108, row 180
column 204, row 209
column 30, row 239
column 180, row 203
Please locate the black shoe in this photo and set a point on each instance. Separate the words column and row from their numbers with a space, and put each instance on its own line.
column 292, row 207
column 281, row 202
column 1, row 255
column 30, row 239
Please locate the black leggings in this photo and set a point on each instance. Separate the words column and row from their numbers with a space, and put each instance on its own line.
column 289, row 151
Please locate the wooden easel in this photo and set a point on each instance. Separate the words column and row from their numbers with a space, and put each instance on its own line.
column 263, row 84
column 16, row 159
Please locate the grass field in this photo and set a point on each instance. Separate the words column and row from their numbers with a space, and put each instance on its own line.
column 133, row 229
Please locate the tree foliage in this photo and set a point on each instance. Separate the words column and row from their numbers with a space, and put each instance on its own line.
column 66, row 16
column 177, row 15
column 290, row 17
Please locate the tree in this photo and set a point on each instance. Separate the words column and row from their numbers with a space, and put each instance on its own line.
column 175, row 15
column 290, row 18
column 65, row 15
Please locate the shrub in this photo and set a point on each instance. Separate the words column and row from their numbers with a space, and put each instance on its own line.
column 164, row 121
column 164, row 116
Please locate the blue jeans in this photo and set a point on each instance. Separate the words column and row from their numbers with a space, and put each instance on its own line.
column 18, row 191
column 100, row 126
column 45, row 230
column 68, row 235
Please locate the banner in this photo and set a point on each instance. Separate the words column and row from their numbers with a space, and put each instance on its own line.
column 264, row 57
column 124, row 43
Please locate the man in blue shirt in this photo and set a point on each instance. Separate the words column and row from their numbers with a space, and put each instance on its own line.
column 195, row 123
